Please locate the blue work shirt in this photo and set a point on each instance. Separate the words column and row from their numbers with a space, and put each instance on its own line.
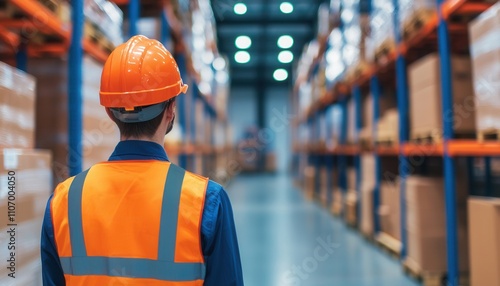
column 218, row 233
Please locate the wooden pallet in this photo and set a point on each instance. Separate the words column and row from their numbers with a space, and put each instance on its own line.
column 389, row 244
column 383, row 51
column 488, row 135
column 388, row 141
column 356, row 72
column 433, row 137
column 96, row 36
column 412, row 269
column 427, row 138
column 9, row 10
column 416, row 22
column 366, row 144
column 367, row 237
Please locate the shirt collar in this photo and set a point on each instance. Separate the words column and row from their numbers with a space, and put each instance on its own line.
column 138, row 150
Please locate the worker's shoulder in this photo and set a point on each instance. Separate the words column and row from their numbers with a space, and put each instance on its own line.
column 62, row 188
column 212, row 186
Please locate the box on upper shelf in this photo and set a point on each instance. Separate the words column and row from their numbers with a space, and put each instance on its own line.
column 485, row 52
column 426, row 115
column 17, row 106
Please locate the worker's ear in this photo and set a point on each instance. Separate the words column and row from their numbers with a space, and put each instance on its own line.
column 170, row 112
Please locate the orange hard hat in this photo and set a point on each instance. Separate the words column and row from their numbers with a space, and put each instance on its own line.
column 139, row 73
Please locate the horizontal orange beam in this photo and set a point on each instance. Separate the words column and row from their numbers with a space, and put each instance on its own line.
column 94, row 51
column 120, row 2
column 451, row 7
column 348, row 150
column 387, row 150
column 43, row 17
column 411, row 149
column 423, row 34
column 9, row 37
column 473, row 148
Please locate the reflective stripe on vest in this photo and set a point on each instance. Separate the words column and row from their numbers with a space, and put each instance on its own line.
column 164, row 268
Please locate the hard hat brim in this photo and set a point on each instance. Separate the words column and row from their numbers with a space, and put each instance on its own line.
column 130, row 100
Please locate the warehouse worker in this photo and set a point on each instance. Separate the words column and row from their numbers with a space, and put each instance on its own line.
column 138, row 219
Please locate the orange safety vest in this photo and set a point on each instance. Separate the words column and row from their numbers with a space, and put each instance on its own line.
column 130, row 223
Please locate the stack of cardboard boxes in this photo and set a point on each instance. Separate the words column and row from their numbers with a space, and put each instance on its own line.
column 484, row 237
column 367, row 188
column 426, row 115
column 485, row 52
column 351, row 199
column 388, row 127
column 100, row 134
column 426, row 225
column 25, row 178
column 310, row 181
column 323, row 185
column 484, row 213
column 390, row 209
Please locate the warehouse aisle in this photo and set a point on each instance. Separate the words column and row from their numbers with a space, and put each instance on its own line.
column 286, row 240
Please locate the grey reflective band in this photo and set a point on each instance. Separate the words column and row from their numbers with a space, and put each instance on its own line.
column 75, row 215
column 143, row 115
column 170, row 213
column 132, row 268
column 165, row 268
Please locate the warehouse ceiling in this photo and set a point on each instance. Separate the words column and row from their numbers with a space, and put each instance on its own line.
column 264, row 23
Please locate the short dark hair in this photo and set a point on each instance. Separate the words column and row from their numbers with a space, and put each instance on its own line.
column 147, row 128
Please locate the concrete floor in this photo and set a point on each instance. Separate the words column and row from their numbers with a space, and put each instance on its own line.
column 287, row 240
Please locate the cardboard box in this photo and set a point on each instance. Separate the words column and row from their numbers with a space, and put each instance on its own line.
column 17, row 108
column 351, row 179
column 428, row 251
column 388, row 127
column 426, row 224
column 351, row 207
column 338, row 202
column 310, row 181
column 351, row 122
column 271, row 164
column 366, row 226
column 485, row 52
column 368, row 170
column 323, row 188
column 390, row 209
column 426, row 116
column 33, row 186
column 100, row 134
column 484, row 237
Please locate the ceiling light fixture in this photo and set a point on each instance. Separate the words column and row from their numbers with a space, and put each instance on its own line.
column 240, row 8
column 285, row 42
column 280, row 75
column 286, row 7
column 242, row 57
column 285, row 57
column 219, row 64
column 243, row 42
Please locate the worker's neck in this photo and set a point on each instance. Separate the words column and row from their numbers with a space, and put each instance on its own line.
column 157, row 138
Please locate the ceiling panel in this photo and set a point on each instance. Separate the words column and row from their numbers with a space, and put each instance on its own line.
column 264, row 23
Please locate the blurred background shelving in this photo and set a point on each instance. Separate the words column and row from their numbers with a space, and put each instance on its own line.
column 403, row 64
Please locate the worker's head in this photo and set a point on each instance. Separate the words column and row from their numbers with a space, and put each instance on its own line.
column 139, row 84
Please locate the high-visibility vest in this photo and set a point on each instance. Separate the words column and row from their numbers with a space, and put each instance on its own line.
column 130, row 223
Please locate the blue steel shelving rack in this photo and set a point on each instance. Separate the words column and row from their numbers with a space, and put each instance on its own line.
column 449, row 167
column 451, row 148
